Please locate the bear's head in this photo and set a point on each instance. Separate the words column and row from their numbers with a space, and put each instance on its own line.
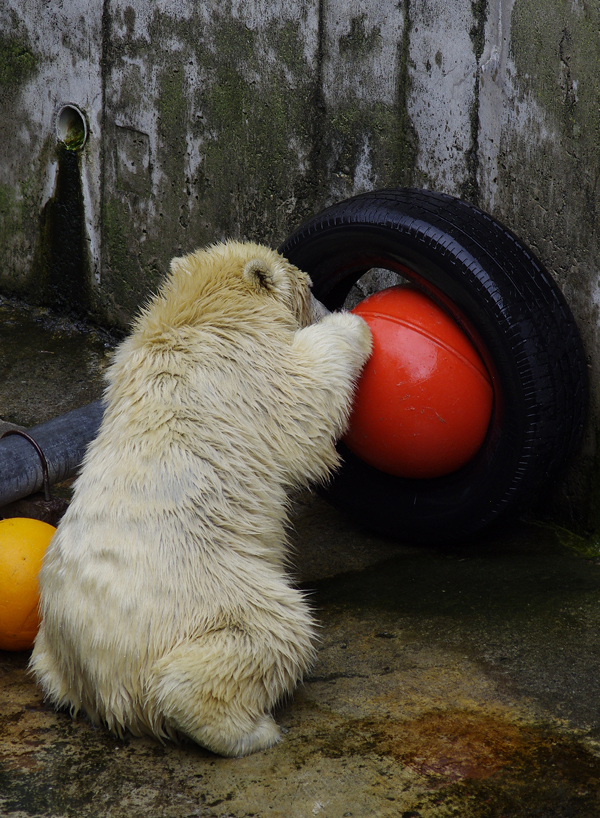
column 269, row 274
column 233, row 277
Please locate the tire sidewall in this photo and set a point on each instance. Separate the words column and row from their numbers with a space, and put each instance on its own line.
column 462, row 503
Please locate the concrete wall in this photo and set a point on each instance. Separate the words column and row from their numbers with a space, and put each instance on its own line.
column 243, row 117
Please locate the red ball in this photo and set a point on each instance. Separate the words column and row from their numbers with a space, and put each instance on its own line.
column 424, row 399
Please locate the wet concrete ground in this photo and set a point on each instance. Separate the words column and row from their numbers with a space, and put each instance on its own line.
column 458, row 681
column 48, row 365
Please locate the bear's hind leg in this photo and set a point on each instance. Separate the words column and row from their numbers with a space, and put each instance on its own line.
column 218, row 691
column 48, row 665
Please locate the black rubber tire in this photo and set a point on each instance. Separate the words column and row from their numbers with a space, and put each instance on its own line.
column 517, row 317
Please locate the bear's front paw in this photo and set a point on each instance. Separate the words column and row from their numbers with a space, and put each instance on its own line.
column 355, row 327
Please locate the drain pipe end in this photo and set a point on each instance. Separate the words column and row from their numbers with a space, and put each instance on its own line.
column 63, row 441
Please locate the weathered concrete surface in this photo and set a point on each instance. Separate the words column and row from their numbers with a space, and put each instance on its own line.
column 449, row 682
column 242, row 119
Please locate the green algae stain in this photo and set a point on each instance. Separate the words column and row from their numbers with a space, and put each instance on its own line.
column 587, row 547
column 369, row 133
column 17, row 62
column 289, row 44
column 359, row 41
column 259, row 126
column 10, row 209
column 555, row 47
column 246, row 147
column 173, row 117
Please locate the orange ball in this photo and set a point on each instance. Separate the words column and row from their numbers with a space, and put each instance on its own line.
column 424, row 399
column 23, row 542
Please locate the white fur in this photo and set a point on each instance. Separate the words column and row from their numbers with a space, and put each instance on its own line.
column 166, row 606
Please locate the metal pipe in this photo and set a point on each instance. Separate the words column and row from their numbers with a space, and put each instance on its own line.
column 63, row 441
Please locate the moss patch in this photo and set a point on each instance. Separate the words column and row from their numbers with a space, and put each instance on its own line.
column 11, row 213
column 588, row 547
column 17, row 61
column 555, row 46
column 359, row 41
column 354, row 127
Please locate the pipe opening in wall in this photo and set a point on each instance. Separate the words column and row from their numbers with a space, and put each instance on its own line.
column 63, row 280
column 71, row 127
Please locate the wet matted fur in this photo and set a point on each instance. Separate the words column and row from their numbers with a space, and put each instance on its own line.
column 166, row 605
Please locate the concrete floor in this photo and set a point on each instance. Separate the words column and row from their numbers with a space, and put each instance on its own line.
column 458, row 681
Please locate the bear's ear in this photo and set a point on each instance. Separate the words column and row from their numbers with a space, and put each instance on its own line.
column 260, row 275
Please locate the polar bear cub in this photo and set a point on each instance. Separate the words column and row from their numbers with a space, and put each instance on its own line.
column 166, row 607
